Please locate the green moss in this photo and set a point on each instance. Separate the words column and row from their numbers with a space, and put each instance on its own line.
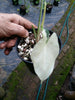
column 9, row 96
column 60, row 74
column 14, row 80
column 2, row 92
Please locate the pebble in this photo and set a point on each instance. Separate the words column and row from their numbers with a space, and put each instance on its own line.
column 24, row 45
column 33, row 41
column 19, row 46
column 24, row 49
column 27, row 50
column 30, row 32
column 21, row 49
column 69, row 95
column 25, row 58
column 27, row 40
column 30, row 51
column 21, row 53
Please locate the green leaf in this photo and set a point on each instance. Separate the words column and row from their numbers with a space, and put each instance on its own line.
column 34, row 31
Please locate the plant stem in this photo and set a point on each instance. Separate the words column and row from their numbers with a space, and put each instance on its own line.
column 39, row 20
column 34, row 31
column 43, row 3
column 42, row 25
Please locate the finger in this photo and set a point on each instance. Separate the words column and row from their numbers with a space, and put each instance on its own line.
column 26, row 23
column 11, row 43
column 22, row 21
column 7, row 51
column 3, row 45
column 15, row 29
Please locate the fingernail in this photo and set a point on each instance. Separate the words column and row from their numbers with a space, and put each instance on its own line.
column 26, row 34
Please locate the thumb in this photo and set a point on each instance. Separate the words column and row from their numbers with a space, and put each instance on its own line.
column 18, row 30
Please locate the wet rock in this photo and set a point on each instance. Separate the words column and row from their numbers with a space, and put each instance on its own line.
column 70, row 95
column 59, row 98
column 2, row 92
column 73, row 72
column 72, row 80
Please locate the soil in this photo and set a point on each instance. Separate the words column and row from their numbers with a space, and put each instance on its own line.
column 25, row 46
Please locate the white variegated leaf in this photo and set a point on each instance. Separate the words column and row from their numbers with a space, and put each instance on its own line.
column 44, row 55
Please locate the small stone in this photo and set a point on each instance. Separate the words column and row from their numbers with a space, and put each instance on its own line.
column 60, row 97
column 20, row 53
column 27, row 40
column 32, row 41
column 25, row 58
column 27, row 50
column 69, row 95
column 31, row 51
column 30, row 32
column 73, row 73
column 24, row 50
column 24, row 45
column 19, row 46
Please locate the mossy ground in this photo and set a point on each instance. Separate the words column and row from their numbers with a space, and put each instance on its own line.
column 15, row 86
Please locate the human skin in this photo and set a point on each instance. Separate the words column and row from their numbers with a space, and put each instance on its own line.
column 12, row 26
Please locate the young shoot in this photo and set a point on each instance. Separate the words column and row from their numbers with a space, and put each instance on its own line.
column 40, row 24
column 34, row 31
column 43, row 19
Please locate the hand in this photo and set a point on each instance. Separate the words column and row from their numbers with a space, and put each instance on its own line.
column 11, row 26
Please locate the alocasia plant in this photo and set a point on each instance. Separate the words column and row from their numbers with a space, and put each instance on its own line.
column 45, row 51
